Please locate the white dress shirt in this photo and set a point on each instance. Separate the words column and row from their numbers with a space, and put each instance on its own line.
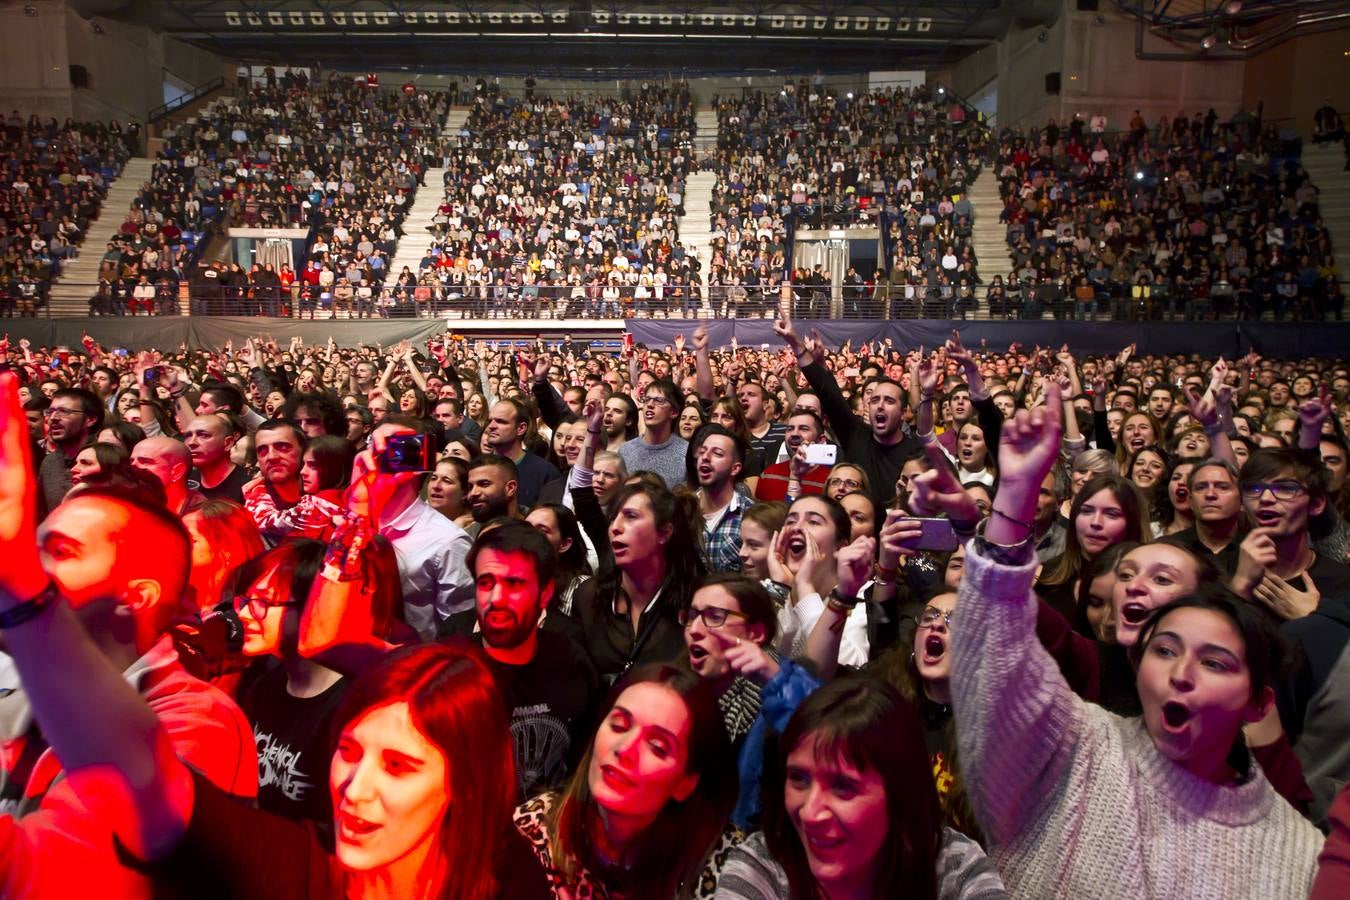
column 431, row 553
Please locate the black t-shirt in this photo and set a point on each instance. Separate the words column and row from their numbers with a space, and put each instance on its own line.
column 551, row 701
column 231, row 488
column 294, row 741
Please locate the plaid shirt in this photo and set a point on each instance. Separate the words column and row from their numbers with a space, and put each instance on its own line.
column 722, row 541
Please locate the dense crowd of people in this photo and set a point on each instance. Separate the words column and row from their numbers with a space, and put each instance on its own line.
column 474, row 620
column 53, row 179
column 1192, row 218
column 811, row 157
column 340, row 157
column 561, row 206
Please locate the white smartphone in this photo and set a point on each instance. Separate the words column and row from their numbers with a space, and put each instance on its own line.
column 821, row 454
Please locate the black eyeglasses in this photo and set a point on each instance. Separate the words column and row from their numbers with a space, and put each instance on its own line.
column 712, row 616
column 258, row 606
column 930, row 615
column 1280, row 490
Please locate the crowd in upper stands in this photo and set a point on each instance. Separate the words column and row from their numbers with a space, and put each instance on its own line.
column 559, row 205
column 569, row 206
column 53, row 179
column 461, row 620
column 341, row 157
column 811, row 157
column 1192, row 217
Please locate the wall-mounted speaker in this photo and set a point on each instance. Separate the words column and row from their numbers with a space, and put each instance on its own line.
column 79, row 76
column 1052, row 82
column 1087, row 5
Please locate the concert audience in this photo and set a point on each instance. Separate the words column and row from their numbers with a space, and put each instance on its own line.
column 867, row 683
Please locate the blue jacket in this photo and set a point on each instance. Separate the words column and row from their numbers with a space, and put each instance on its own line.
column 778, row 701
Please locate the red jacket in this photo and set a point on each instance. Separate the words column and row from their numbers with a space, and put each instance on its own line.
column 773, row 481
column 62, row 848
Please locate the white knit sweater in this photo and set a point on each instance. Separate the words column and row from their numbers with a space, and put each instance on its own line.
column 1077, row 802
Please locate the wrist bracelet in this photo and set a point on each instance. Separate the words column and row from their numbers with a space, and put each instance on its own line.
column 1031, row 529
column 839, row 603
column 29, row 609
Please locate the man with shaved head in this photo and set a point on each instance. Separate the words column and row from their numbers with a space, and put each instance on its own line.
column 209, row 439
column 169, row 461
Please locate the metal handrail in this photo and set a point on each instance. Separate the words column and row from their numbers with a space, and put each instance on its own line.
column 201, row 90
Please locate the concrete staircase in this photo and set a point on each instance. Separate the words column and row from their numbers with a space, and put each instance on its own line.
column 990, row 235
column 79, row 277
column 705, row 129
column 415, row 241
column 695, row 225
column 454, row 121
column 1325, row 164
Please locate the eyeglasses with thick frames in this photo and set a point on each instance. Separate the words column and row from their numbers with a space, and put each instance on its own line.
column 930, row 615
column 1280, row 490
column 258, row 606
column 712, row 616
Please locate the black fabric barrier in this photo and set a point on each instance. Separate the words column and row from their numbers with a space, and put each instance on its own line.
column 168, row 333
column 1232, row 339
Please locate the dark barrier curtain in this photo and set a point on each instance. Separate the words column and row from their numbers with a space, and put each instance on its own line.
column 1232, row 339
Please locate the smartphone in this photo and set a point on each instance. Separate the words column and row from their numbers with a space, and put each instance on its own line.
column 764, row 346
column 821, row 454
column 853, row 372
column 120, row 351
column 937, row 535
column 152, row 375
column 407, row 453
column 627, row 340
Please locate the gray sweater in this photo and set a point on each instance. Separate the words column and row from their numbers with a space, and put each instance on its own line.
column 964, row 872
column 666, row 460
column 1078, row 802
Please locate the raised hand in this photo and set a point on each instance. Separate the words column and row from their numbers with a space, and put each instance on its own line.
column 937, row 492
column 22, row 573
column 1029, row 443
column 679, row 342
column 1203, row 407
column 594, row 411
column 1316, row 410
column 853, row 565
column 701, row 338
column 958, row 353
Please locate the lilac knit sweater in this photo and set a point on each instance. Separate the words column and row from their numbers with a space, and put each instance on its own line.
column 1077, row 802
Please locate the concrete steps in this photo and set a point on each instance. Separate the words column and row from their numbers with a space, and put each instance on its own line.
column 415, row 241
column 705, row 129
column 1325, row 164
column 454, row 121
column 79, row 277
column 695, row 225
column 990, row 235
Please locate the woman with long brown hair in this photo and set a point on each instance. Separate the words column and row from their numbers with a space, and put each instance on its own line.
column 647, row 808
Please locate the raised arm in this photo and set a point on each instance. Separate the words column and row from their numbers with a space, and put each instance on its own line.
column 923, row 379
column 1312, row 414
column 119, row 758
column 338, row 625
column 703, row 373
column 1016, row 719
column 1204, row 409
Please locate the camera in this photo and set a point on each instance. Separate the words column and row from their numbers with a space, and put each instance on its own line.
column 152, row 375
column 407, row 453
